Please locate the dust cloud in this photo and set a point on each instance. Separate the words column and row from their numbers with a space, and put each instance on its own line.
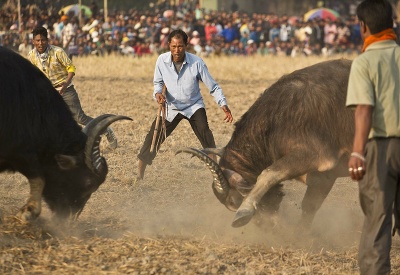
column 184, row 206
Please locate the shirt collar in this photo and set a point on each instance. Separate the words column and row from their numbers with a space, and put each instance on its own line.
column 43, row 55
column 381, row 45
column 168, row 58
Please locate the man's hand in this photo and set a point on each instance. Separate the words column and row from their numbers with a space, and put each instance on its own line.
column 160, row 98
column 356, row 166
column 63, row 88
column 228, row 114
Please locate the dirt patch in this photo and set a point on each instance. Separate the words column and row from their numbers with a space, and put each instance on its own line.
column 171, row 222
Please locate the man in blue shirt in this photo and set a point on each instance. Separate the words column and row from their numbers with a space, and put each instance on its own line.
column 230, row 33
column 181, row 72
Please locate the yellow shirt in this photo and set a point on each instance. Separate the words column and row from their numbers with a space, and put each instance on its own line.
column 375, row 80
column 55, row 64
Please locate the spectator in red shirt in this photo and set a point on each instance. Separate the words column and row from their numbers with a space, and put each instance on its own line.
column 210, row 30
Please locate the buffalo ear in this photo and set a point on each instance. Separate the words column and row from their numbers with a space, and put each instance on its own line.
column 66, row 162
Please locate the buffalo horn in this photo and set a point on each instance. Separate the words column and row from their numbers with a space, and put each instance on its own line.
column 216, row 151
column 94, row 129
column 220, row 184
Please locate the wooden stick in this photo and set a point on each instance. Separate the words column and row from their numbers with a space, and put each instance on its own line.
column 156, row 128
column 161, row 107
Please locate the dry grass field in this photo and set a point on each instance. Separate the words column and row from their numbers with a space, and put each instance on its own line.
column 171, row 223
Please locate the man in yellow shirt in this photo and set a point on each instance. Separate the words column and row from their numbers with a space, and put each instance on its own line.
column 58, row 67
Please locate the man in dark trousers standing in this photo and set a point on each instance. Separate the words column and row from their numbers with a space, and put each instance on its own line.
column 374, row 91
column 181, row 72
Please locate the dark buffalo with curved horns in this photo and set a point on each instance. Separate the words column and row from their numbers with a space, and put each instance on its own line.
column 40, row 139
column 299, row 128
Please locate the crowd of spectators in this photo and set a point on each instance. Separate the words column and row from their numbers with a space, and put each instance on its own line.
column 211, row 33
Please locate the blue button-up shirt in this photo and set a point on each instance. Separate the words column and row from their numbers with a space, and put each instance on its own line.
column 183, row 90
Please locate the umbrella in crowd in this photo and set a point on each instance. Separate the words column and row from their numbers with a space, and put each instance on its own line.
column 323, row 13
column 68, row 10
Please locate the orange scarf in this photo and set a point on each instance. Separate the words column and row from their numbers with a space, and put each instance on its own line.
column 387, row 34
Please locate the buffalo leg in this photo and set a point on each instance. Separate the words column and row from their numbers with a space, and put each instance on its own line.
column 318, row 187
column 33, row 207
column 319, row 184
column 289, row 167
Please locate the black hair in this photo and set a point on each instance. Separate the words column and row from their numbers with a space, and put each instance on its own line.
column 376, row 14
column 40, row 30
column 178, row 34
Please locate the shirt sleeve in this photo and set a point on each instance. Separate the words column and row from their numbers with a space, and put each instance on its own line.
column 212, row 85
column 66, row 62
column 158, row 79
column 360, row 90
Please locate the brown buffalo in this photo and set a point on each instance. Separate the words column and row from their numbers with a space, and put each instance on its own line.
column 299, row 128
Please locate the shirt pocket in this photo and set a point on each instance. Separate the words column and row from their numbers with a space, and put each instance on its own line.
column 189, row 84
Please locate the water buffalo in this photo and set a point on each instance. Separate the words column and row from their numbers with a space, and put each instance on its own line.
column 40, row 139
column 299, row 128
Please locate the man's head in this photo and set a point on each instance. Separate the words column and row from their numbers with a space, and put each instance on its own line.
column 40, row 40
column 377, row 15
column 178, row 34
column 177, row 41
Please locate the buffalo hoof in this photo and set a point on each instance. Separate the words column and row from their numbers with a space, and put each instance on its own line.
column 243, row 217
column 27, row 213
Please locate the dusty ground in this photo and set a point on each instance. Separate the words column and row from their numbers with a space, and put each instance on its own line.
column 171, row 222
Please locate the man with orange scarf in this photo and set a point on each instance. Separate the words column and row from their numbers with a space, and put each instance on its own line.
column 374, row 92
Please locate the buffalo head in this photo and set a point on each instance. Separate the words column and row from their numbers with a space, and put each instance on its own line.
column 231, row 188
column 71, row 180
column 228, row 186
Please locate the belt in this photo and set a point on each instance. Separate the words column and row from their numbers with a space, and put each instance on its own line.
column 381, row 138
